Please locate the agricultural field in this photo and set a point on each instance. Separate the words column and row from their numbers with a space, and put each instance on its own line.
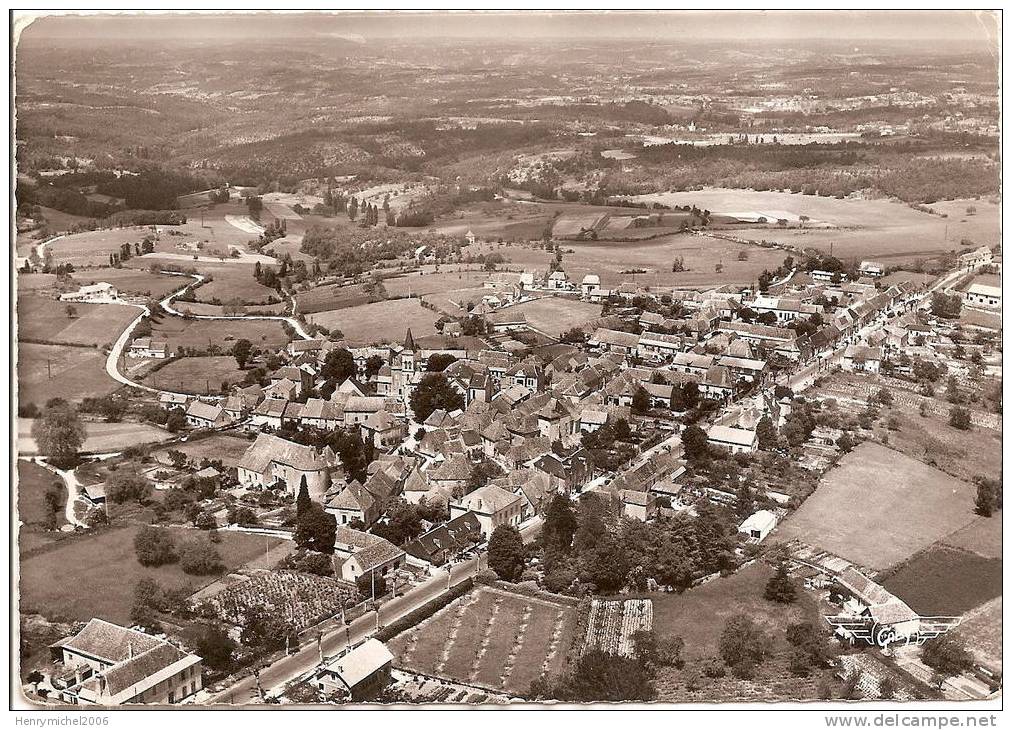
column 226, row 447
column 201, row 333
column 982, row 536
column 234, row 282
column 61, row 371
column 35, row 282
column 860, row 228
column 979, row 318
column 945, row 581
column 100, row 437
column 33, row 483
column 492, row 639
column 379, row 322
column 131, row 282
column 446, row 281
column 42, row 319
column 454, row 303
column 555, row 315
column 875, row 491
column 982, row 630
column 107, row 564
column 197, row 375
column 92, row 248
column 218, row 310
column 330, row 297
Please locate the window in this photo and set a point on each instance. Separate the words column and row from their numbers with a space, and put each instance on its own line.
column 172, row 696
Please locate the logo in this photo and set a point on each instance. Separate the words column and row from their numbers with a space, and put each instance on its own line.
column 915, row 631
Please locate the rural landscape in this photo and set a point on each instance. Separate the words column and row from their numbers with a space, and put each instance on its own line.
column 507, row 359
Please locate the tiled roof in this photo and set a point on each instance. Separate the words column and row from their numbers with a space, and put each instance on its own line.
column 488, row 499
column 269, row 448
column 109, row 642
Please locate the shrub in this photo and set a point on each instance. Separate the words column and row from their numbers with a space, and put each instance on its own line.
column 154, row 547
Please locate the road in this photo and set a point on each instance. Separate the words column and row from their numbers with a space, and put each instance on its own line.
column 69, row 480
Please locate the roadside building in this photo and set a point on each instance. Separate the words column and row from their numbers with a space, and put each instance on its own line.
column 361, row 674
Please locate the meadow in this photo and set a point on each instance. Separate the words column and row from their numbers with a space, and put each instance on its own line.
column 33, row 483
column 875, row 491
column 61, row 371
column 556, row 315
column 196, row 375
column 100, row 437
column 379, row 322
column 227, row 447
column 42, row 319
column 201, row 333
column 130, row 281
column 944, row 581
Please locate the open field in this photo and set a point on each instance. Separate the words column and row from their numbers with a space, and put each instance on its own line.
column 537, row 633
column 92, row 248
column 218, row 310
column 33, row 483
column 131, row 282
column 944, row 581
column 330, row 297
column 875, row 491
column 43, row 319
column 77, row 372
column 982, row 630
column 979, row 318
column 555, row 315
column 35, row 282
column 200, row 333
column 862, row 228
column 447, row 280
column 106, row 564
column 101, row 437
column 197, row 375
column 454, row 303
column 379, row 322
column 982, row 536
column 235, row 282
column 226, row 447
column 700, row 256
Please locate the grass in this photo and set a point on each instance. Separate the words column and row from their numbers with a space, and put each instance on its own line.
column 379, row 322
column 197, row 375
column 235, row 282
column 988, row 320
column 33, row 483
column 92, row 248
column 555, row 315
column 43, row 319
column 94, row 575
column 875, row 492
column 178, row 332
column 454, row 303
column 132, row 282
column 982, row 630
column 35, row 282
column 226, row 447
column 101, row 437
column 945, row 581
column 982, row 536
column 447, row 280
column 330, row 297
column 77, row 372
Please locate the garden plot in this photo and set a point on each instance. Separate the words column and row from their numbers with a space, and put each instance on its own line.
column 301, row 599
column 612, row 624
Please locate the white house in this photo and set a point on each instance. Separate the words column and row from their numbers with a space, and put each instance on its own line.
column 590, row 283
column 984, row 295
column 102, row 291
column 732, row 439
column 493, row 506
column 360, row 674
column 758, row 525
column 871, row 268
column 862, row 358
column 146, row 347
column 205, row 415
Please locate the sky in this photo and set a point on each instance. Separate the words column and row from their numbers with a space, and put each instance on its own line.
column 967, row 26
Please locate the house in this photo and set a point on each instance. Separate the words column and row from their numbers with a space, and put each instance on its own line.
column 591, row 419
column 984, row 295
column 493, row 506
column 732, row 439
column 758, row 525
column 825, row 277
column 862, row 358
column 106, row 664
column 322, row 414
column 871, row 268
column 509, row 319
column 659, row 347
column 146, row 347
column 357, row 409
column 590, row 283
column 272, row 462
column 102, row 291
column 374, row 561
column 383, row 430
column 447, row 541
column 880, row 608
column 205, row 415
column 352, row 502
column 298, row 347
column 638, row 505
column 172, row 400
column 361, row 674
column 606, row 340
column 972, row 259
column 559, row 281
column 268, row 413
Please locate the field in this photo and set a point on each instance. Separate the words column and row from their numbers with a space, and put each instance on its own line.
column 77, row 372
column 978, row 318
column 454, row 303
column 700, row 256
column 33, row 483
column 35, row 282
column 222, row 446
column 555, row 315
column 330, row 297
column 982, row 536
column 200, row 333
column 218, row 310
column 982, row 630
column 106, row 565
column 44, row 319
column 490, row 638
column 447, row 280
column 944, row 581
column 101, row 437
column 879, row 229
column 131, row 282
column 234, row 282
column 874, row 493
column 92, row 248
column 380, row 322
column 197, row 375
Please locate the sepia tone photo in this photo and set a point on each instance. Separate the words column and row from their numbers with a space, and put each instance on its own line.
column 510, row 359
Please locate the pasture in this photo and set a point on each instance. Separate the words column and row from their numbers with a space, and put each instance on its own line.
column 202, row 333
column 944, row 581
column 131, row 282
column 982, row 536
column 92, row 248
column 379, row 322
column 106, row 563
column 33, row 483
column 454, row 303
column 196, row 375
column 35, row 282
column 874, row 492
column 555, row 315
column 100, row 437
column 492, row 639
column 61, row 371
column 218, row 310
column 42, row 319
column 330, row 297
column 982, row 630
column 234, row 282
column 447, row 280
column 880, row 229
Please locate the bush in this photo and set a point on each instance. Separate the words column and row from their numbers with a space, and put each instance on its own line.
column 960, row 418
column 423, row 612
column 309, row 561
column 200, row 558
column 154, row 547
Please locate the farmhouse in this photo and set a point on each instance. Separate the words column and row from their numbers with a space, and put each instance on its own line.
column 862, row 358
column 205, row 415
column 493, row 506
column 106, row 664
column 606, row 340
column 102, row 291
column 507, row 320
column 785, row 310
column 590, row 283
column 984, row 295
column 373, row 561
column 272, row 462
column 559, row 281
column 362, row 673
column 871, row 268
column 978, row 257
column 146, row 347
column 446, row 541
column 383, row 429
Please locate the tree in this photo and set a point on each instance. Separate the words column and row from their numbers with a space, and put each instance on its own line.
column 154, row 547
column 338, row 365
column 71, row 311
column 59, row 433
column 602, row 677
column 316, row 530
column 302, row 501
column 560, row 524
column 985, row 502
column 373, row 365
column 199, row 557
column 127, row 484
column 947, row 655
column 241, row 351
column 846, row 443
column 695, row 444
column 959, row 418
column 743, row 642
column 506, row 553
column 641, row 401
column 766, row 433
column 780, row 588
column 884, row 397
column 439, row 362
column 176, row 421
column 744, row 503
column 214, row 645
column 434, row 392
